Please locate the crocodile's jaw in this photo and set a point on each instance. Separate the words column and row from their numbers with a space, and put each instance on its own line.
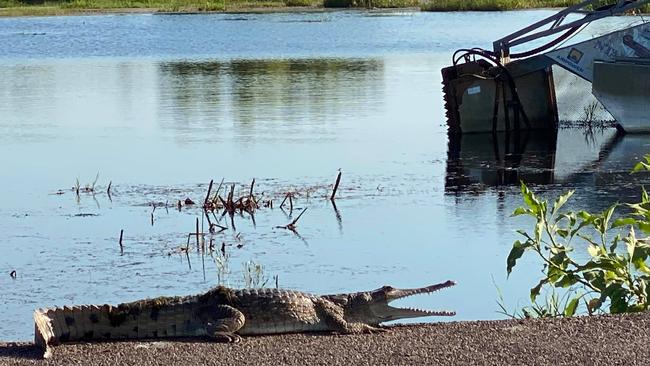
column 379, row 309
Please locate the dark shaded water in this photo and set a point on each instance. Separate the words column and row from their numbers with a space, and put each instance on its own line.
column 159, row 105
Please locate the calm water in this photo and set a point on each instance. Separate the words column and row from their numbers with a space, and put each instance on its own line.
column 159, row 105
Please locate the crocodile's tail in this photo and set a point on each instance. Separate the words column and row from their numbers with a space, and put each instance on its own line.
column 82, row 323
column 55, row 325
column 152, row 318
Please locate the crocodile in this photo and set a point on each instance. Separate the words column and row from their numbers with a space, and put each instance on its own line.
column 224, row 314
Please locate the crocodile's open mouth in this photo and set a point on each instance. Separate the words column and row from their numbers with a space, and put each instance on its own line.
column 388, row 312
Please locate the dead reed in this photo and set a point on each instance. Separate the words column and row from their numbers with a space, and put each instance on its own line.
column 121, row 246
column 336, row 186
column 232, row 199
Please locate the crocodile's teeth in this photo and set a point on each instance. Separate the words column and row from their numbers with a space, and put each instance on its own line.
column 395, row 294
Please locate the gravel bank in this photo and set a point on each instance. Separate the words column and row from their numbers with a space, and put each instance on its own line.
column 602, row 340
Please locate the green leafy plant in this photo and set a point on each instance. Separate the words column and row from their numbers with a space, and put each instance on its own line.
column 616, row 275
column 552, row 305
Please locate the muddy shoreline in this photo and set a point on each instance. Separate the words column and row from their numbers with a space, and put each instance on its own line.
column 597, row 340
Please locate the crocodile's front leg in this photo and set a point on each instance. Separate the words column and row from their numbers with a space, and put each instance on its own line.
column 334, row 317
column 225, row 322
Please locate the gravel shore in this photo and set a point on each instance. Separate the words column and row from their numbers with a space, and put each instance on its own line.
column 599, row 340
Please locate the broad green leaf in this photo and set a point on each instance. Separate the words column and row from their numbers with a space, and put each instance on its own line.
column 560, row 259
column 560, row 201
column 586, row 273
column 623, row 222
column 567, row 281
column 585, row 215
column 607, row 215
column 571, row 307
column 522, row 211
column 598, row 280
column 641, row 265
column 618, row 305
column 641, row 252
column 640, row 166
column 529, row 198
column 630, row 242
column 617, row 298
column 563, row 233
column 616, row 261
column 640, row 209
column 603, row 265
column 534, row 292
column 516, row 252
column 555, row 273
column 644, row 226
column 539, row 229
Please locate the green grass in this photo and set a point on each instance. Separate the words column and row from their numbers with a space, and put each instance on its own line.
column 60, row 7
column 493, row 5
column 300, row 3
column 371, row 3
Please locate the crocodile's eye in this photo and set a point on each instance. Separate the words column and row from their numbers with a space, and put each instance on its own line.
column 388, row 288
column 360, row 298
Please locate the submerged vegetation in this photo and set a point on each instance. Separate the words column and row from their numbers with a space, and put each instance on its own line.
column 59, row 7
column 615, row 275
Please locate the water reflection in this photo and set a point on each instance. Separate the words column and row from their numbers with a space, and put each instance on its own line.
column 274, row 97
column 597, row 166
column 477, row 161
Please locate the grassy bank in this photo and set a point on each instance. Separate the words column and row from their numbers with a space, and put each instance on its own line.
column 494, row 5
column 61, row 7
column 499, row 5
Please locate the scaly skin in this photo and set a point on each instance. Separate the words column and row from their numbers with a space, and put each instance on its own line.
column 223, row 314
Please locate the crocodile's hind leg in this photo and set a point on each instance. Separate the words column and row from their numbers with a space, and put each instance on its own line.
column 333, row 316
column 224, row 323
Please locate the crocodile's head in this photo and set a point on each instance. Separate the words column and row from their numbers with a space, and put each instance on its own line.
column 373, row 307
